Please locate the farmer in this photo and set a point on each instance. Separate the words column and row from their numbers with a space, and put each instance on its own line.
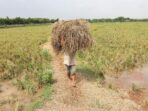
column 68, row 37
column 69, row 62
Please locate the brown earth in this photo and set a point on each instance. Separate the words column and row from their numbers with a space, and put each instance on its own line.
column 87, row 96
column 11, row 97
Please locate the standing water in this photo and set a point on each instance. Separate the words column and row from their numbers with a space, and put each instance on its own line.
column 136, row 83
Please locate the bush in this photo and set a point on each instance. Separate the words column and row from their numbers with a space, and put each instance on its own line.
column 26, row 84
column 45, row 54
column 45, row 77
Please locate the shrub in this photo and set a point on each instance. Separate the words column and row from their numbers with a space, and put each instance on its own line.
column 45, row 77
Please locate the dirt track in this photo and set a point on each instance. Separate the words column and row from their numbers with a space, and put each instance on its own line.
column 87, row 96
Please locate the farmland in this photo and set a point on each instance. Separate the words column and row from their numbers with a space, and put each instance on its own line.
column 117, row 47
column 25, row 65
column 23, row 62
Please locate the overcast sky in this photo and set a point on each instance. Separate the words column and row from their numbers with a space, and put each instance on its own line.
column 71, row 9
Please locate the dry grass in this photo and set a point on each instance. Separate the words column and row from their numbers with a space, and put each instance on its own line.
column 24, row 65
column 75, row 35
column 118, row 47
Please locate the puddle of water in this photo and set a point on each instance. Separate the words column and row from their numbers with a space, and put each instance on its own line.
column 138, row 78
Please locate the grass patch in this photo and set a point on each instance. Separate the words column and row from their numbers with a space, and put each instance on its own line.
column 46, row 94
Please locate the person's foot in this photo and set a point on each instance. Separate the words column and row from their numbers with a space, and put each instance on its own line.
column 73, row 78
column 68, row 75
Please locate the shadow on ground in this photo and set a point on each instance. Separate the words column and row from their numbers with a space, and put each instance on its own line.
column 89, row 74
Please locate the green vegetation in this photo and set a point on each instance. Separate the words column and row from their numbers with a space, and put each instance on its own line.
column 18, row 20
column 44, row 97
column 117, row 47
column 118, row 19
column 22, row 58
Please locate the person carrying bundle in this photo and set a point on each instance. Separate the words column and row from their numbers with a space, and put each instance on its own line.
column 68, row 37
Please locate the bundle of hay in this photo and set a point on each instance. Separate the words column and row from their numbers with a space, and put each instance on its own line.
column 74, row 33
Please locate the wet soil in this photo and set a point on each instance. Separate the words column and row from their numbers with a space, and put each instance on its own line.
column 135, row 82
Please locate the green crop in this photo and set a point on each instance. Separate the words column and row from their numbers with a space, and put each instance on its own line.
column 21, row 55
column 117, row 47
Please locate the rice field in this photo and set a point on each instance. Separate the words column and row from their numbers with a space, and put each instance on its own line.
column 22, row 61
column 117, row 47
column 25, row 65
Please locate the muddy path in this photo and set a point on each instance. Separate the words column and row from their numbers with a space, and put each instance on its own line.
column 87, row 96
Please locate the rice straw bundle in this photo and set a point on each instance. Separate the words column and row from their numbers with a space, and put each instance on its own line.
column 75, row 34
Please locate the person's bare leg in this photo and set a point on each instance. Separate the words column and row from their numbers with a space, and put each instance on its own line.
column 73, row 78
column 68, row 71
column 68, row 75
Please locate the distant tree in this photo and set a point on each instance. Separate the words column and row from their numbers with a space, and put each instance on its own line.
column 119, row 19
column 19, row 20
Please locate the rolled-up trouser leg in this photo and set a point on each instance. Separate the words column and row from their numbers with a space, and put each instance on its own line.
column 70, row 70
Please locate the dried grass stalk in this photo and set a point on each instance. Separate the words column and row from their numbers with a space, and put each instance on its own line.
column 75, row 34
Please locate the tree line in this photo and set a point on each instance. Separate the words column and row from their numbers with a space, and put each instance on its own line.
column 19, row 20
column 118, row 19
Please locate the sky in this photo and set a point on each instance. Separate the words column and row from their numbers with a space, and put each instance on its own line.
column 74, row 9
